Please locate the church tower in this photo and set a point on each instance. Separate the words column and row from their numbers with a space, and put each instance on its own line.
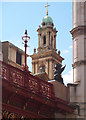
column 78, row 89
column 46, row 57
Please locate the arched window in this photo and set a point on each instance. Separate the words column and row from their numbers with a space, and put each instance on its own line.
column 42, row 68
column 51, row 41
column 44, row 40
column 54, row 41
column 39, row 40
column 43, row 23
column 49, row 37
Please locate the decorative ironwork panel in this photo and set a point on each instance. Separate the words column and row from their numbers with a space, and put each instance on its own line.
column 25, row 79
column 45, row 89
column 5, row 72
column 33, row 85
column 9, row 115
column 0, row 70
column 17, row 77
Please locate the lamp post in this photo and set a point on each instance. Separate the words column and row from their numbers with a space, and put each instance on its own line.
column 26, row 39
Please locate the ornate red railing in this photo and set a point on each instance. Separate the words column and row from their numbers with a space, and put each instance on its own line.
column 26, row 80
column 29, row 84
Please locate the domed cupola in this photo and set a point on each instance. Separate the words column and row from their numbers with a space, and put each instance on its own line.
column 47, row 20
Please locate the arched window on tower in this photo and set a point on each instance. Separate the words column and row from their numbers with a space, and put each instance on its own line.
column 44, row 40
column 49, row 37
column 39, row 40
column 51, row 41
column 54, row 41
column 42, row 68
column 43, row 23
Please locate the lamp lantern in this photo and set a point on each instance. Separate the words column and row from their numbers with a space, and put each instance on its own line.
column 25, row 38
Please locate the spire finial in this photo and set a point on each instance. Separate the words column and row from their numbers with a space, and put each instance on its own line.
column 47, row 8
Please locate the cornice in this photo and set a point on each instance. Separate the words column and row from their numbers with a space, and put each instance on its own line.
column 47, row 54
column 78, row 63
column 80, row 30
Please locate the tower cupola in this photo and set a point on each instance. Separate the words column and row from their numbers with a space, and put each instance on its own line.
column 46, row 56
column 47, row 20
column 46, row 34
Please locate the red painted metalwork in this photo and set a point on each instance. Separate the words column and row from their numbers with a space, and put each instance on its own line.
column 24, row 92
column 25, row 38
column 25, row 79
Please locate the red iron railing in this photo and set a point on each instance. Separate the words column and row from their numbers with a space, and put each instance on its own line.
column 26, row 80
column 33, row 84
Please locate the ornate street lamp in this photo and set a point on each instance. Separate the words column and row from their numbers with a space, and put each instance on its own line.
column 26, row 39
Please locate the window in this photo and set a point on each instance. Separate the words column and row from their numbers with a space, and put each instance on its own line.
column 18, row 58
column 54, row 41
column 49, row 37
column 51, row 41
column 42, row 69
column 44, row 40
column 43, row 23
column 39, row 40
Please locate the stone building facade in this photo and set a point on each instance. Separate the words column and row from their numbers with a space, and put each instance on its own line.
column 46, row 56
column 74, row 95
column 78, row 88
column 12, row 54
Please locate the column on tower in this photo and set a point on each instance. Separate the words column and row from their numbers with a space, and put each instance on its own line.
column 47, row 39
column 42, row 40
column 36, row 67
column 39, row 40
column 51, row 73
column 47, row 66
column 54, row 41
column 50, row 41
column 33, row 67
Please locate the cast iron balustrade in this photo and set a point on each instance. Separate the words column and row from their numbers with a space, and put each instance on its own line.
column 25, row 80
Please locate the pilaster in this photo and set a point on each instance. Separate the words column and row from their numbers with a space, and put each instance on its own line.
column 51, row 68
column 47, row 39
column 36, row 67
column 47, row 67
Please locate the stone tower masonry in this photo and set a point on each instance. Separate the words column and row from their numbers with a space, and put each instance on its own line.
column 78, row 88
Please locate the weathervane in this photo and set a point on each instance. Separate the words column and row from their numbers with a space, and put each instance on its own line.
column 47, row 8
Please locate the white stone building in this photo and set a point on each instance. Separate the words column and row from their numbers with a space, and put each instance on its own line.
column 78, row 88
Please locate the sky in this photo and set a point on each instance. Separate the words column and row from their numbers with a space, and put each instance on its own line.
column 18, row 16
